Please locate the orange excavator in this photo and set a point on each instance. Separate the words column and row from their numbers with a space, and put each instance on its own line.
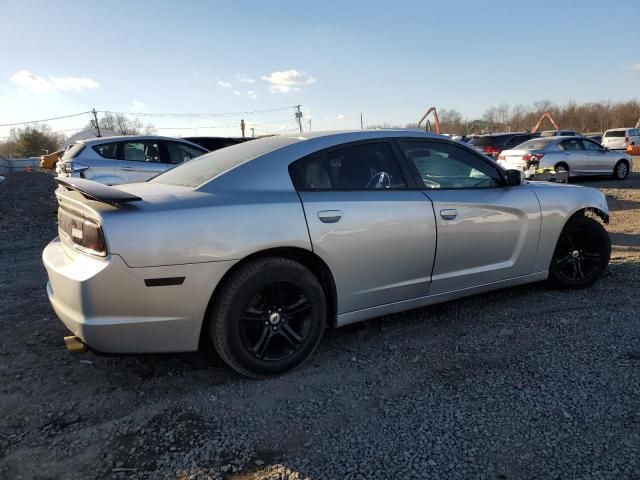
column 548, row 116
column 428, row 124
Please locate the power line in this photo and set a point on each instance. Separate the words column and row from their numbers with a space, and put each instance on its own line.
column 43, row 120
column 225, row 114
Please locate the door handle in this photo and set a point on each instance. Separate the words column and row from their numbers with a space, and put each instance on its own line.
column 449, row 213
column 329, row 216
column 126, row 168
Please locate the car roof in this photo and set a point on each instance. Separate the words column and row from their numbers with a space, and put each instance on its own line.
column 119, row 138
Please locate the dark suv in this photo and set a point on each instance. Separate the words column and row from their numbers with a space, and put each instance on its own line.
column 216, row 143
column 494, row 143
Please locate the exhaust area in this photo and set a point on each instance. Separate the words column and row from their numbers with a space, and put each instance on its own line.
column 74, row 344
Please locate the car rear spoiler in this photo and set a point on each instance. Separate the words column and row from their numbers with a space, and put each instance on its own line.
column 97, row 191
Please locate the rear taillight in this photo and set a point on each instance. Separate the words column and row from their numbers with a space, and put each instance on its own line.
column 490, row 150
column 502, row 157
column 83, row 234
column 532, row 158
column 626, row 139
column 70, row 167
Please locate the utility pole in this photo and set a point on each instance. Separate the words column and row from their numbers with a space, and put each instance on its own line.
column 361, row 124
column 95, row 121
column 309, row 124
column 299, row 117
column 242, row 127
column 253, row 132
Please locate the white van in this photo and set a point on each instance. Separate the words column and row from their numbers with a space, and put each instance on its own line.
column 621, row 138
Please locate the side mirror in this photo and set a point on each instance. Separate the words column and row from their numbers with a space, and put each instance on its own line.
column 514, row 177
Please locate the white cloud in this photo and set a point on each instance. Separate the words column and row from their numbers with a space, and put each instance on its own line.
column 634, row 67
column 35, row 83
column 136, row 105
column 288, row 81
column 236, row 93
column 340, row 117
column 251, row 94
column 224, row 84
column 244, row 79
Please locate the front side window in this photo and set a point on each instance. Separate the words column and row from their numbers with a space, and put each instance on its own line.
column 370, row 166
column 180, row 153
column 148, row 151
column 571, row 145
column 591, row 146
column 443, row 165
column 106, row 150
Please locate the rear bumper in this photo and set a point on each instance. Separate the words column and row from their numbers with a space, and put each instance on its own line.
column 109, row 306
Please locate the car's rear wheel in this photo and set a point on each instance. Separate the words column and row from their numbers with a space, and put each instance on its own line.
column 581, row 255
column 562, row 167
column 269, row 317
column 621, row 170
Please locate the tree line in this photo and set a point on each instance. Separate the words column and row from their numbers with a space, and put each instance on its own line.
column 588, row 117
column 39, row 138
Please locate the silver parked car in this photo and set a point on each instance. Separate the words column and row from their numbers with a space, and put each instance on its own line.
column 125, row 159
column 256, row 248
column 576, row 155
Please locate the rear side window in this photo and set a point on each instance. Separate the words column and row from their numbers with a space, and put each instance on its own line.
column 180, row 152
column 447, row 166
column 535, row 144
column 517, row 140
column 370, row 166
column 615, row 133
column 106, row 150
column 634, row 132
column 73, row 151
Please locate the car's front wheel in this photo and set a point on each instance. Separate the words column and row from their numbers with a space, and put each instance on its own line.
column 269, row 317
column 581, row 255
column 621, row 170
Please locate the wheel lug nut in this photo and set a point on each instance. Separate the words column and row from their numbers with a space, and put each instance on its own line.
column 266, row 323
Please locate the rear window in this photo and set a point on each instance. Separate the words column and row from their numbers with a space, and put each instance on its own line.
column 73, row 151
column 615, row 133
column 488, row 141
column 207, row 167
column 535, row 144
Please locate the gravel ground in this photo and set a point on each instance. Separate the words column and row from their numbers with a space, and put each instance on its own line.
column 520, row 383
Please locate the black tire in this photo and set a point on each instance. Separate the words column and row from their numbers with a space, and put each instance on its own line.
column 571, row 270
column 244, row 329
column 621, row 170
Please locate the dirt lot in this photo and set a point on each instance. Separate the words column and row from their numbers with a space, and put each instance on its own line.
column 520, row 383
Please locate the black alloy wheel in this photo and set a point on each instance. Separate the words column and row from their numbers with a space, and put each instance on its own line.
column 581, row 255
column 268, row 317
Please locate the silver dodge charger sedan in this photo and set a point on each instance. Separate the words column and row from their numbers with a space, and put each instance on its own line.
column 258, row 247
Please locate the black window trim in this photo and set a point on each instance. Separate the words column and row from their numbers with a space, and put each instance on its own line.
column 409, row 180
column 418, row 178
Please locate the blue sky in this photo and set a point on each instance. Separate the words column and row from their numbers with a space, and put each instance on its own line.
column 390, row 60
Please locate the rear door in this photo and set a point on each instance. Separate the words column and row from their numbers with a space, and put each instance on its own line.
column 139, row 160
column 376, row 234
column 487, row 232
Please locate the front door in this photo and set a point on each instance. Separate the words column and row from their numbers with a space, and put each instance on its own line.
column 487, row 232
column 377, row 236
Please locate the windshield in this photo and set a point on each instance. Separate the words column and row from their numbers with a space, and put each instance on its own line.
column 205, row 168
column 535, row 144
